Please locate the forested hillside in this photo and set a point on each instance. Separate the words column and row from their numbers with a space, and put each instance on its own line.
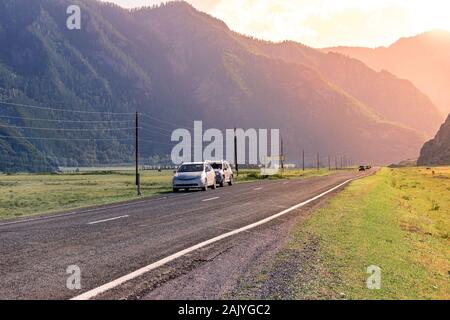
column 176, row 65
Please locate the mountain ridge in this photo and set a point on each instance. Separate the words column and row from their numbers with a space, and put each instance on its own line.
column 181, row 65
column 429, row 54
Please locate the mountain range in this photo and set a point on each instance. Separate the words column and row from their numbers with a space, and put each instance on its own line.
column 176, row 65
column 423, row 59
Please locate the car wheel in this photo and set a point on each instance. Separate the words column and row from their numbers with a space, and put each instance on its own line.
column 205, row 188
column 222, row 182
column 175, row 190
column 230, row 183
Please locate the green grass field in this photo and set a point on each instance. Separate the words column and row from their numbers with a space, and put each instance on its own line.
column 28, row 194
column 398, row 219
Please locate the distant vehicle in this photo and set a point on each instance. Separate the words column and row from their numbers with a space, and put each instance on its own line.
column 362, row 168
column 368, row 167
column 224, row 173
column 194, row 175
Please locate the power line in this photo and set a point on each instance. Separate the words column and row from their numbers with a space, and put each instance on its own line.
column 84, row 112
column 151, row 131
column 67, row 129
column 63, row 110
column 156, row 132
column 67, row 121
column 67, row 139
column 166, row 122
column 156, row 128
column 83, row 121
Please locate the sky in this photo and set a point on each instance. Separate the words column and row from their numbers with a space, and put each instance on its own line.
column 324, row 23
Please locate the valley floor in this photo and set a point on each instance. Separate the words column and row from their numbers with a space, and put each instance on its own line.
column 24, row 195
column 397, row 221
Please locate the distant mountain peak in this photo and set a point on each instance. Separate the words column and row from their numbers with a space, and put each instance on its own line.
column 181, row 5
column 182, row 8
column 425, row 38
column 435, row 32
column 423, row 59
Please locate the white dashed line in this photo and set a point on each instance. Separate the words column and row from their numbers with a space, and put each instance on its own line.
column 256, row 189
column 210, row 199
column 84, row 211
column 110, row 219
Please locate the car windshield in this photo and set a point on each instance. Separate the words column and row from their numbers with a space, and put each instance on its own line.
column 191, row 168
column 216, row 165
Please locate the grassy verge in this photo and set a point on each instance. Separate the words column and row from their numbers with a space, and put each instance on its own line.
column 253, row 175
column 28, row 194
column 398, row 219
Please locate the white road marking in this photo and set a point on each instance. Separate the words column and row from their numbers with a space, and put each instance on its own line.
column 115, row 283
column 210, row 199
column 110, row 219
column 256, row 189
column 82, row 211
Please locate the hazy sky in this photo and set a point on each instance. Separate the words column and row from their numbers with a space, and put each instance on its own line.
column 321, row 23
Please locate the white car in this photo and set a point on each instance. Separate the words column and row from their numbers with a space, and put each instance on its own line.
column 194, row 175
column 224, row 173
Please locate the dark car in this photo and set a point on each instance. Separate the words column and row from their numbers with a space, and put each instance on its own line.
column 362, row 168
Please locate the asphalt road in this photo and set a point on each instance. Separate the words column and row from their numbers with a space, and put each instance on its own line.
column 109, row 242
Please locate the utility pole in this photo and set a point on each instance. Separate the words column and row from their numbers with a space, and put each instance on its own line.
column 282, row 155
column 138, row 177
column 329, row 163
column 235, row 153
column 318, row 161
column 303, row 159
column 335, row 162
